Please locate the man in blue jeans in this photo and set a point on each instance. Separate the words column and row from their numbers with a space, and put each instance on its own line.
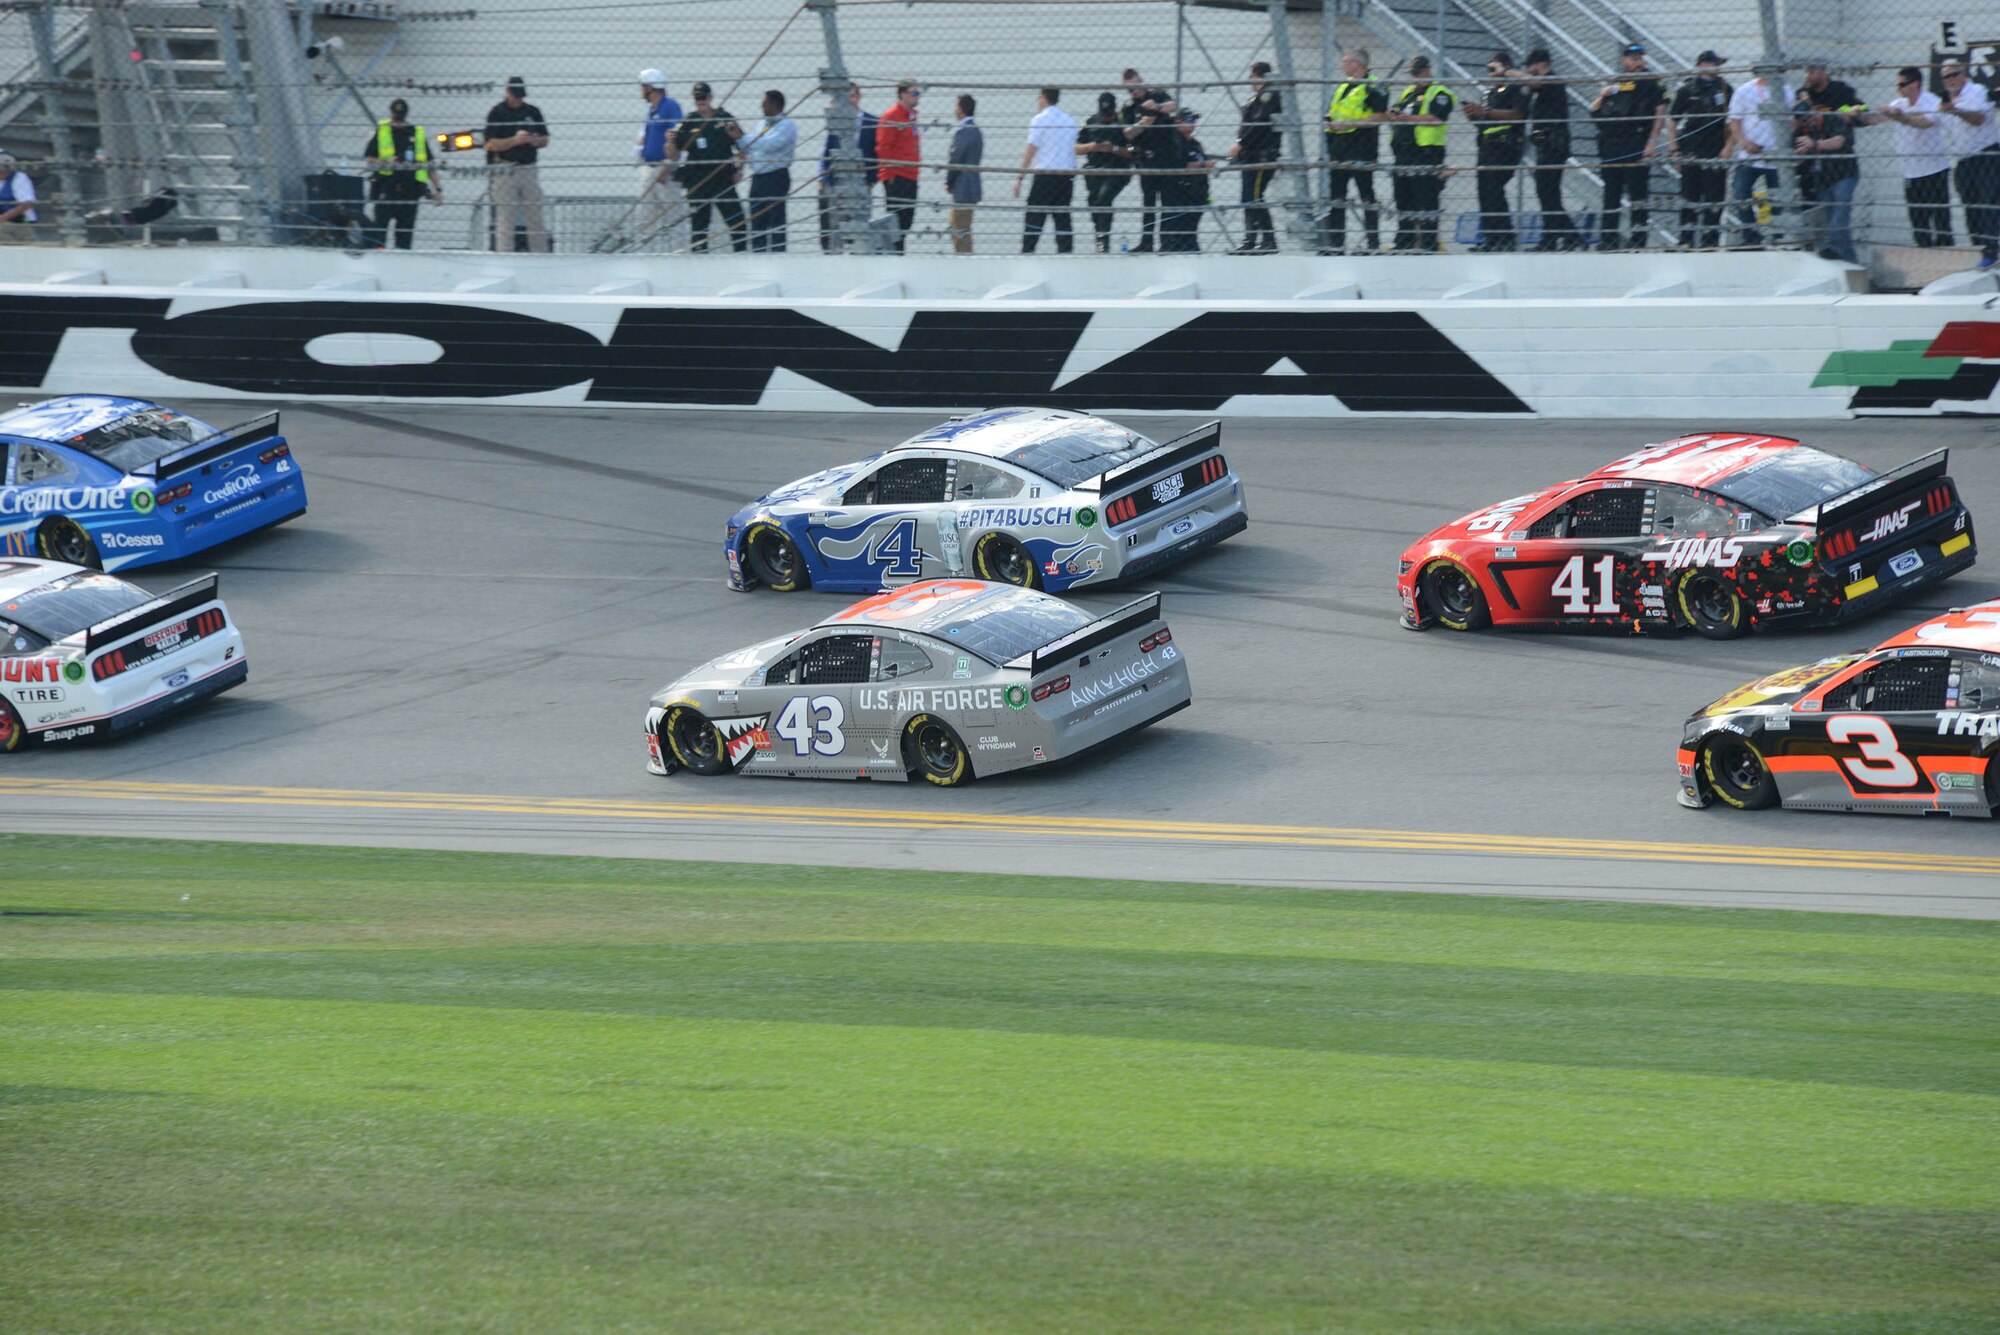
column 1755, row 125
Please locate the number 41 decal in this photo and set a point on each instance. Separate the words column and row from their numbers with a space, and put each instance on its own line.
column 1575, row 592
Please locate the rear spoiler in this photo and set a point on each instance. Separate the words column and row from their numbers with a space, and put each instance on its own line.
column 1085, row 638
column 169, row 606
column 1176, row 451
column 217, row 445
column 1846, row 504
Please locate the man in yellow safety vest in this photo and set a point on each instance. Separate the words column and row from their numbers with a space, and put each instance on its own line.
column 1352, row 149
column 399, row 157
column 1416, row 139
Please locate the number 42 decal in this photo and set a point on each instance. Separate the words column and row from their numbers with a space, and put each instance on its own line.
column 1575, row 593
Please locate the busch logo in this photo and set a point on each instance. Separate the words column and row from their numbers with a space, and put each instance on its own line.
column 244, row 478
column 1893, row 522
column 1168, row 488
column 1720, row 552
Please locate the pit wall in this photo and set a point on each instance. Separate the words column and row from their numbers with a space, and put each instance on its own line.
column 1731, row 358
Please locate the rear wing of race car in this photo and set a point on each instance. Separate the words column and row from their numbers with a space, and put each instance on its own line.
column 214, row 447
column 169, row 606
column 1850, row 504
column 1179, row 450
column 1085, row 638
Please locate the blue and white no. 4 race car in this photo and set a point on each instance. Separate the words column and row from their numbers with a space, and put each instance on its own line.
column 114, row 483
column 1038, row 497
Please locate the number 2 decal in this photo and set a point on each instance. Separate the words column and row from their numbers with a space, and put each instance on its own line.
column 813, row 725
column 1882, row 762
column 1576, row 593
column 899, row 548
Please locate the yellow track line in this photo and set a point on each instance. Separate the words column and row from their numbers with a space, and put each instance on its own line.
column 893, row 821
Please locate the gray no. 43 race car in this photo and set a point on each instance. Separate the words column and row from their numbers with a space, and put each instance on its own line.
column 946, row 680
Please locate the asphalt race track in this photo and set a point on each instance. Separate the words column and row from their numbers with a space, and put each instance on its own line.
column 455, row 646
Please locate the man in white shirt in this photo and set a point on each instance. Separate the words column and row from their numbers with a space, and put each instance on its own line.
column 1051, row 156
column 1972, row 137
column 767, row 150
column 1921, row 153
column 17, row 196
column 1759, row 115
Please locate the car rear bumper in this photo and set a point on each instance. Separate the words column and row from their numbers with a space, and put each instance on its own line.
column 227, row 677
column 1883, row 588
column 1227, row 526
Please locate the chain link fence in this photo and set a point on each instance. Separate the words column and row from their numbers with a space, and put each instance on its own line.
column 254, row 121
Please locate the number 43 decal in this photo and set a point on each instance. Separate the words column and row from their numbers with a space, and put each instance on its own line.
column 813, row 725
column 1575, row 593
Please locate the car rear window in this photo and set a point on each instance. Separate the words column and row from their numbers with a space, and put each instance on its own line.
column 73, row 603
column 998, row 632
column 1079, row 452
column 1787, row 483
column 130, row 443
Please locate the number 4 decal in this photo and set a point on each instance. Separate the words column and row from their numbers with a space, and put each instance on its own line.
column 813, row 725
column 1882, row 762
column 1576, row 594
column 899, row 548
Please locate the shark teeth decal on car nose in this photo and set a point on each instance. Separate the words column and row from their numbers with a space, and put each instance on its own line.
column 741, row 736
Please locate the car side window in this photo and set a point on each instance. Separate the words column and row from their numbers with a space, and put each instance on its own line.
column 984, row 482
column 901, row 482
column 833, row 660
column 1977, row 682
column 1896, row 685
column 34, row 464
column 1607, row 512
column 900, row 658
column 1682, row 512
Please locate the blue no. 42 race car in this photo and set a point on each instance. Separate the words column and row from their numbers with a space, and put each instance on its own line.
column 113, row 483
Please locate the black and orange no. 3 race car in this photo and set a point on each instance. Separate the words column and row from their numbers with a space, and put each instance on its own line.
column 1720, row 533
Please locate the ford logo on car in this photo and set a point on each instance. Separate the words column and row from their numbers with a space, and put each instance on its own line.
column 244, row 479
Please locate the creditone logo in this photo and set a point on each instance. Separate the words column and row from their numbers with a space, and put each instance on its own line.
column 117, row 541
column 244, row 478
column 57, row 500
column 1169, row 488
column 1893, row 522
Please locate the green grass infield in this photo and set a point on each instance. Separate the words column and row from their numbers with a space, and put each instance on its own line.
column 263, row 1088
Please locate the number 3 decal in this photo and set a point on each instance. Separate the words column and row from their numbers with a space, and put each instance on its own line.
column 1882, row 762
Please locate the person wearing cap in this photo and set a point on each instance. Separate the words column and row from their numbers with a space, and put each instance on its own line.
column 1923, row 157
column 1257, row 146
column 1353, row 147
column 1697, row 132
column 1416, row 140
column 1185, row 192
column 1629, row 112
column 768, row 150
column 661, row 219
column 1107, row 161
column 1752, row 134
column 1973, row 138
column 401, row 176
column 706, row 144
column 1502, row 117
column 898, row 150
column 1827, row 168
column 962, row 181
column 516, row 133
column 17, row 195
column 1548, row 131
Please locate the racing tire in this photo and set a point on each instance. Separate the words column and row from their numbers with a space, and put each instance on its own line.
column 12, row 734
column 1712, row 606
column 1737, row 774
column 1453, row 596
column 1992, row 781
column 1001, row 558
column 933, row 750
column 61, row 538
column 693, row 741
column 774, row 558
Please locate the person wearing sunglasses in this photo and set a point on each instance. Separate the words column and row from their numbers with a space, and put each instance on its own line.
column 1972, row 137
column 1923, row 158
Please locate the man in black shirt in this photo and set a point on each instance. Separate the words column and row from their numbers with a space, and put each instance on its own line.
column 1184, row 195
column 1699, row 121
column 1149, row 128
column 1353, row 143
column 1501, row 117
column 1108, row 160
column 515, row 134
column 1629, row 112
column 1548, row 131
column 399, row 157
column 1258, row 143
column 707, row 136
column 1828, row 171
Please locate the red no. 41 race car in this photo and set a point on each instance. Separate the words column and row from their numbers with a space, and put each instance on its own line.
column 1720, row 532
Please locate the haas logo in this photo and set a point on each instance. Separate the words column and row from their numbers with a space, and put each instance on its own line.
column 1719, row 552
column 1893, row 522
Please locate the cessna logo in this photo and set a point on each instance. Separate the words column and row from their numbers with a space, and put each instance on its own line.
column 1721, row 552
column 115, row 541
column 1893, row 522
column 1168, row 488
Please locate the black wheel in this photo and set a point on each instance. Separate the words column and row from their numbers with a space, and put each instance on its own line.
column 1737, row 774
column 1711, row 605
column 1993, row 781
column 932, row 749
column 1453, row 596
column 1000, row 558
column 62, row 539
column 693, row 740
column 774, row 558
column 12, row 734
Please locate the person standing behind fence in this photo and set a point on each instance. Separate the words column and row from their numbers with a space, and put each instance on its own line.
column 1185, row 195
column 707, row 142
column 1156, row 148
column 962, row 181
column 897, row 149
column 1353, row 147
column 1548, row 131
column 1697, row 133
column 17, row 199
column 1502, row 116
column 1108, row 157
column 864, row 139
column 1051, row 156
column 1752, row 134
column 1974, row 141
column 1923, row 158
column 1258, row 145
column 404, row 176
column 661, row 216
column 1629, row 112
column 1416, row 139
column 768, row 150
column 516, row 132
column 1828, row 173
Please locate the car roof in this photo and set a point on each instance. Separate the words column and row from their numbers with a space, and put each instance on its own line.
column 929, row 608
column 999, row 431
column 61, row 421
column 1976, row 627
column 1696, row 461
column 18, row 574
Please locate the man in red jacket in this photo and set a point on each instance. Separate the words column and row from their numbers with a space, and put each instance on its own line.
column 896, row 150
